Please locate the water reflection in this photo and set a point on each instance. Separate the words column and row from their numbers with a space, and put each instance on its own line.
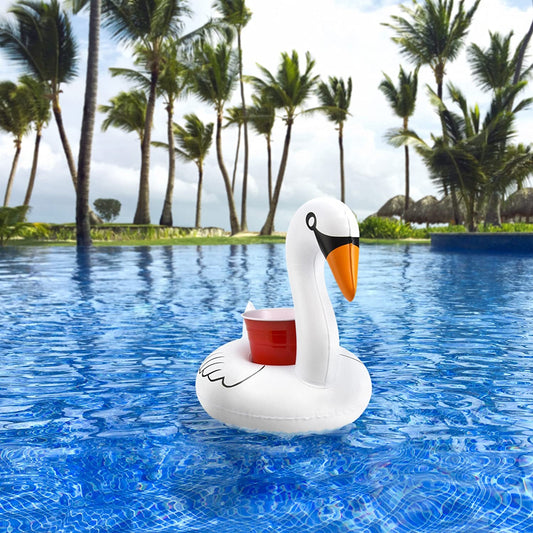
column 144, row 262
column 272, row 273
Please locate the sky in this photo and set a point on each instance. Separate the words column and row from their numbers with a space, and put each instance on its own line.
column 346, row 38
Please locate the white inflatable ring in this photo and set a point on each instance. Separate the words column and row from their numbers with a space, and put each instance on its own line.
column 328, row 387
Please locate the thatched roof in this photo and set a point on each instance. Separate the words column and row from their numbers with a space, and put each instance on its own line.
column 520, row 203
column 421, row 212
column 393, row 207
column 443, row 212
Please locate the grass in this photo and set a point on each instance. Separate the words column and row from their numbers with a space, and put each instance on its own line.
column 373, row 231
column 198, row 241
column 183, row 241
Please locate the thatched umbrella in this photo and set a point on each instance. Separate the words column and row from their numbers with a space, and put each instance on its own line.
column 393, row 207
column 443, row 212
column 422, row 211
column 520, row 203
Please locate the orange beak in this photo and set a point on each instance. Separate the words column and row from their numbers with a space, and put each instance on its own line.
column 344, row 262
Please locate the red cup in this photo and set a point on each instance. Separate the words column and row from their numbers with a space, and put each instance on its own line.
column 272, row 336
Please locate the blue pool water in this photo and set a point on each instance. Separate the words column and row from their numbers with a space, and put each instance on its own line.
column 101, row 431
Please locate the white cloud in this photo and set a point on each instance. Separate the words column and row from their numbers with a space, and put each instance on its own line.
column 345, row 38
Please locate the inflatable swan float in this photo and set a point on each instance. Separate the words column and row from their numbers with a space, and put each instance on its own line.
column 327, row 387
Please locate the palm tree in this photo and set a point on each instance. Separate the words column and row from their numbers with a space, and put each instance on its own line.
column 495, row 68
column 194, row 140
column 83, row 211
column 173, row 84
column 127, row 112
column 214, row 75
column 335, row 98
column 430, row 34
column 402, row 99
column 262, row 116
column 15, row 118
column 149, row 24
column 474, row 155
column 42, row 42
column 39, row 105
column 289, row 89
column 236, row 15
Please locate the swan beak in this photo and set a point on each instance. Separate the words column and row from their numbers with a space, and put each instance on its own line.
column 344, row 261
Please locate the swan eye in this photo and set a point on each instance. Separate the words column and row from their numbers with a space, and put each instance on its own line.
column 310, row 220
column 327, row 243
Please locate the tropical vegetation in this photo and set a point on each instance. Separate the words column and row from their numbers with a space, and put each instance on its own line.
column 473, row 158
column 13, row 224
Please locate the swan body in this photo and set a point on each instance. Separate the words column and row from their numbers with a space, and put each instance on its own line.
column 328, row 387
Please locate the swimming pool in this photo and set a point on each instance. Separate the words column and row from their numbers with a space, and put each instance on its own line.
column 101, row 431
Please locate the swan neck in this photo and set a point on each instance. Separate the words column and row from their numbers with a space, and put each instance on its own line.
column 317, row 337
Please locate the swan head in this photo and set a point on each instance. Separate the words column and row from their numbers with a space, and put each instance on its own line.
column 325, row 227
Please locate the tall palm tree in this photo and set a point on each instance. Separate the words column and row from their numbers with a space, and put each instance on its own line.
column 214, row 75
column 335, row 98
column 288, row 89
column 83, row 211
column 431, row 34
column 150, row 24
column 39, row 105
column 15, row 118
column 173, row 84
column 41, row 40
column 126, row 111
column 262, row 116
column 194, row 140
column 402, row 100
column 237, row 15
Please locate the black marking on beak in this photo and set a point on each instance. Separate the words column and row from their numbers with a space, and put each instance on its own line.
column 327, row 243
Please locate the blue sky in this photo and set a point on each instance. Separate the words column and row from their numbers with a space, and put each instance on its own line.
column 346, row 38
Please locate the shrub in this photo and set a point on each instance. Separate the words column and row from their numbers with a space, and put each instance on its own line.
column 447, row 229
column 385, row 228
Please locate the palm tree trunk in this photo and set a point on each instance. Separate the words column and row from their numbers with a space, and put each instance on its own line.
column 33, row 172
column 234, row 221
column 197, row 222
column 83, row 221
column 341, row 155
column 407, row 173
column 236, row 162
column 407, row 192
column 268, row 226
column 142, row 213
column 56, row 108
column 166, row 215
column 12, row 173
column 269, row 155
column 470, row 213
column 244, row 223
column 493, row 215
